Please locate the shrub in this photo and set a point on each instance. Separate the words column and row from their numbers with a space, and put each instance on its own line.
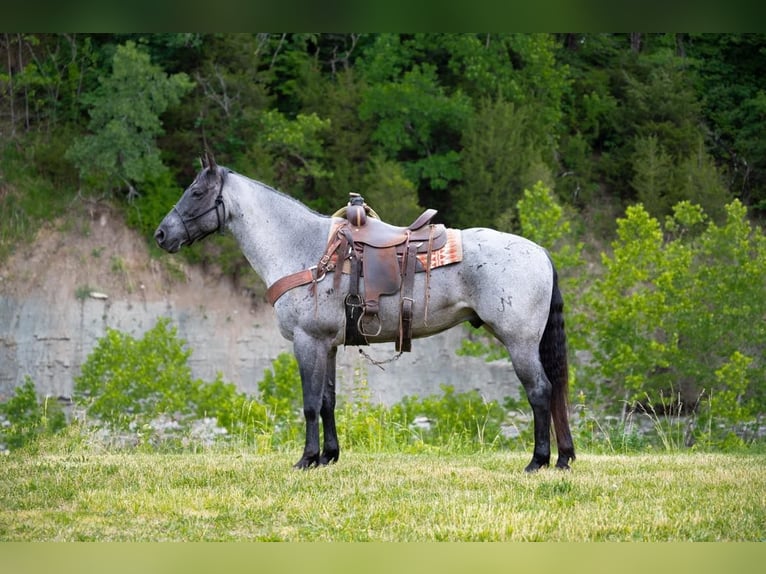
column 128, row 383
column 679, row 310
column 23, row 417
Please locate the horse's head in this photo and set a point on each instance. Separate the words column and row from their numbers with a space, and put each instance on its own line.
column 200, row 211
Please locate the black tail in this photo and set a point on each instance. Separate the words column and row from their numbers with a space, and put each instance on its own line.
column 553, row 354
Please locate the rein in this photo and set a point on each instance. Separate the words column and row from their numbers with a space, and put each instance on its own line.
column 220, row 217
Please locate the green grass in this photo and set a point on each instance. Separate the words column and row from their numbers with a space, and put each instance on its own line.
column 242, row 495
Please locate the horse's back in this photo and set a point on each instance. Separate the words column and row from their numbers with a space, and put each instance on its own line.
column 499, row 254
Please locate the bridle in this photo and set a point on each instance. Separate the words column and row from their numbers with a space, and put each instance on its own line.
column 220, row 216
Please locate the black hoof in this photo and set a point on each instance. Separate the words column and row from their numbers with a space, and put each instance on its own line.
column 536, row 465
column 563, row 461
column 306, row 462
column 328, row 457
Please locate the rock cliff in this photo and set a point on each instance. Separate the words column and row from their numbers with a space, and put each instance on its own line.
column 60, row 293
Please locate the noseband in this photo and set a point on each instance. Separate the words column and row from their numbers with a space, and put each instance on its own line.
column 219, row 215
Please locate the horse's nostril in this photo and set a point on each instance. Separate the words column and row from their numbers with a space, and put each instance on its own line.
column 159, row 235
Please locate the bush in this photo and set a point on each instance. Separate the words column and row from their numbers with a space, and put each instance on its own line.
column 667, row 316
column 129, row 383
column 455, row 420
column 23, row 417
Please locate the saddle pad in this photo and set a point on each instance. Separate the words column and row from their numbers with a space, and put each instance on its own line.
column 452, row 252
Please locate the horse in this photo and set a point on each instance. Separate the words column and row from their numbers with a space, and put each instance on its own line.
column 504, row 282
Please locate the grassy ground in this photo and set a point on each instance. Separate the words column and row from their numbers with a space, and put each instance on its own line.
column 380, row 497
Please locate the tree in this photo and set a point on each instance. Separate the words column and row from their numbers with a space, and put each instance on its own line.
column 653, row 175
column 418, row 124
column 121, row 150
column 388, row 191
column 501, row 157
column 666, row 318
column 732, row 89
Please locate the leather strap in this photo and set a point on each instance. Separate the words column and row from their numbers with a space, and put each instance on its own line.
column 306, row 276
column 283, row 285
column 406, row 300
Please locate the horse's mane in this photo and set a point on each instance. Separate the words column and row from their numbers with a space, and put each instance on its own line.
column 274, row 190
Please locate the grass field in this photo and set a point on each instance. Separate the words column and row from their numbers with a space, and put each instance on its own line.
column 381, row 497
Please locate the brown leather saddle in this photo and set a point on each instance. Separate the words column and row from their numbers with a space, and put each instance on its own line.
column 386, row 256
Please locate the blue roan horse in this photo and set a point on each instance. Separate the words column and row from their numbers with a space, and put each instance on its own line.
column 505, row 282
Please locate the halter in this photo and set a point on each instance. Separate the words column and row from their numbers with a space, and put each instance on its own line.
column 220, row 217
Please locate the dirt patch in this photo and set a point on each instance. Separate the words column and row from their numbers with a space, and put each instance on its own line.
column 92, row 251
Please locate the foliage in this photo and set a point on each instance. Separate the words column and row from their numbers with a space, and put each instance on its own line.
column 502, row 155
column 415, row 118
column 127, row 383
column 388, row 191
column 545, row 221
column 667, row 315
column 158, row 196
column 121, row 151
column 26, row 203
column 589, row 102
column 23, row 418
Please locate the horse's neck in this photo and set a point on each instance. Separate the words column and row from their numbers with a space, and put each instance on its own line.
column 277, row 235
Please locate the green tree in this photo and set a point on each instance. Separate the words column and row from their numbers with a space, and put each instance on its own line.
column 501, row 156
column 121, row 150
column 732, row 89
column 388, row 191
column 290, row 152
column 653, row 175
column 666, row 318
column 347, row 140
column 417, row 123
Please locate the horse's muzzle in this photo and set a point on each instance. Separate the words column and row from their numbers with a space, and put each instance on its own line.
column 165, row 240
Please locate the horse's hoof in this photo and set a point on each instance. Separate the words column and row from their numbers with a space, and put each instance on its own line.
column 534, row 466
column 328, row 458
column 563, row 461
column 306, row 463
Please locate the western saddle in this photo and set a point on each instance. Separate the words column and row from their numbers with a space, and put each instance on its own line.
column 386, row 257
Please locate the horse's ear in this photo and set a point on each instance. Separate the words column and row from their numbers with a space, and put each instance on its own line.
column 208, row 160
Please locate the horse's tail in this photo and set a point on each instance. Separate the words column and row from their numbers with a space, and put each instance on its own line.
column 553, row 354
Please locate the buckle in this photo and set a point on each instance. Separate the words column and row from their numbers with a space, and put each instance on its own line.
column 316, row 273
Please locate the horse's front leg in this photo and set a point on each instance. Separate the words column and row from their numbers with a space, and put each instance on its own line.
column 312, row 356
column 331, row 449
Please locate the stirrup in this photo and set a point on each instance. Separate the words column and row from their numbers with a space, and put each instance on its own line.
column 361, row 329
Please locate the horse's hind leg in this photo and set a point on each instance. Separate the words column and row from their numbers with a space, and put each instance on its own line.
column 331, row 449
column 312, row 356
column 529, row 369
